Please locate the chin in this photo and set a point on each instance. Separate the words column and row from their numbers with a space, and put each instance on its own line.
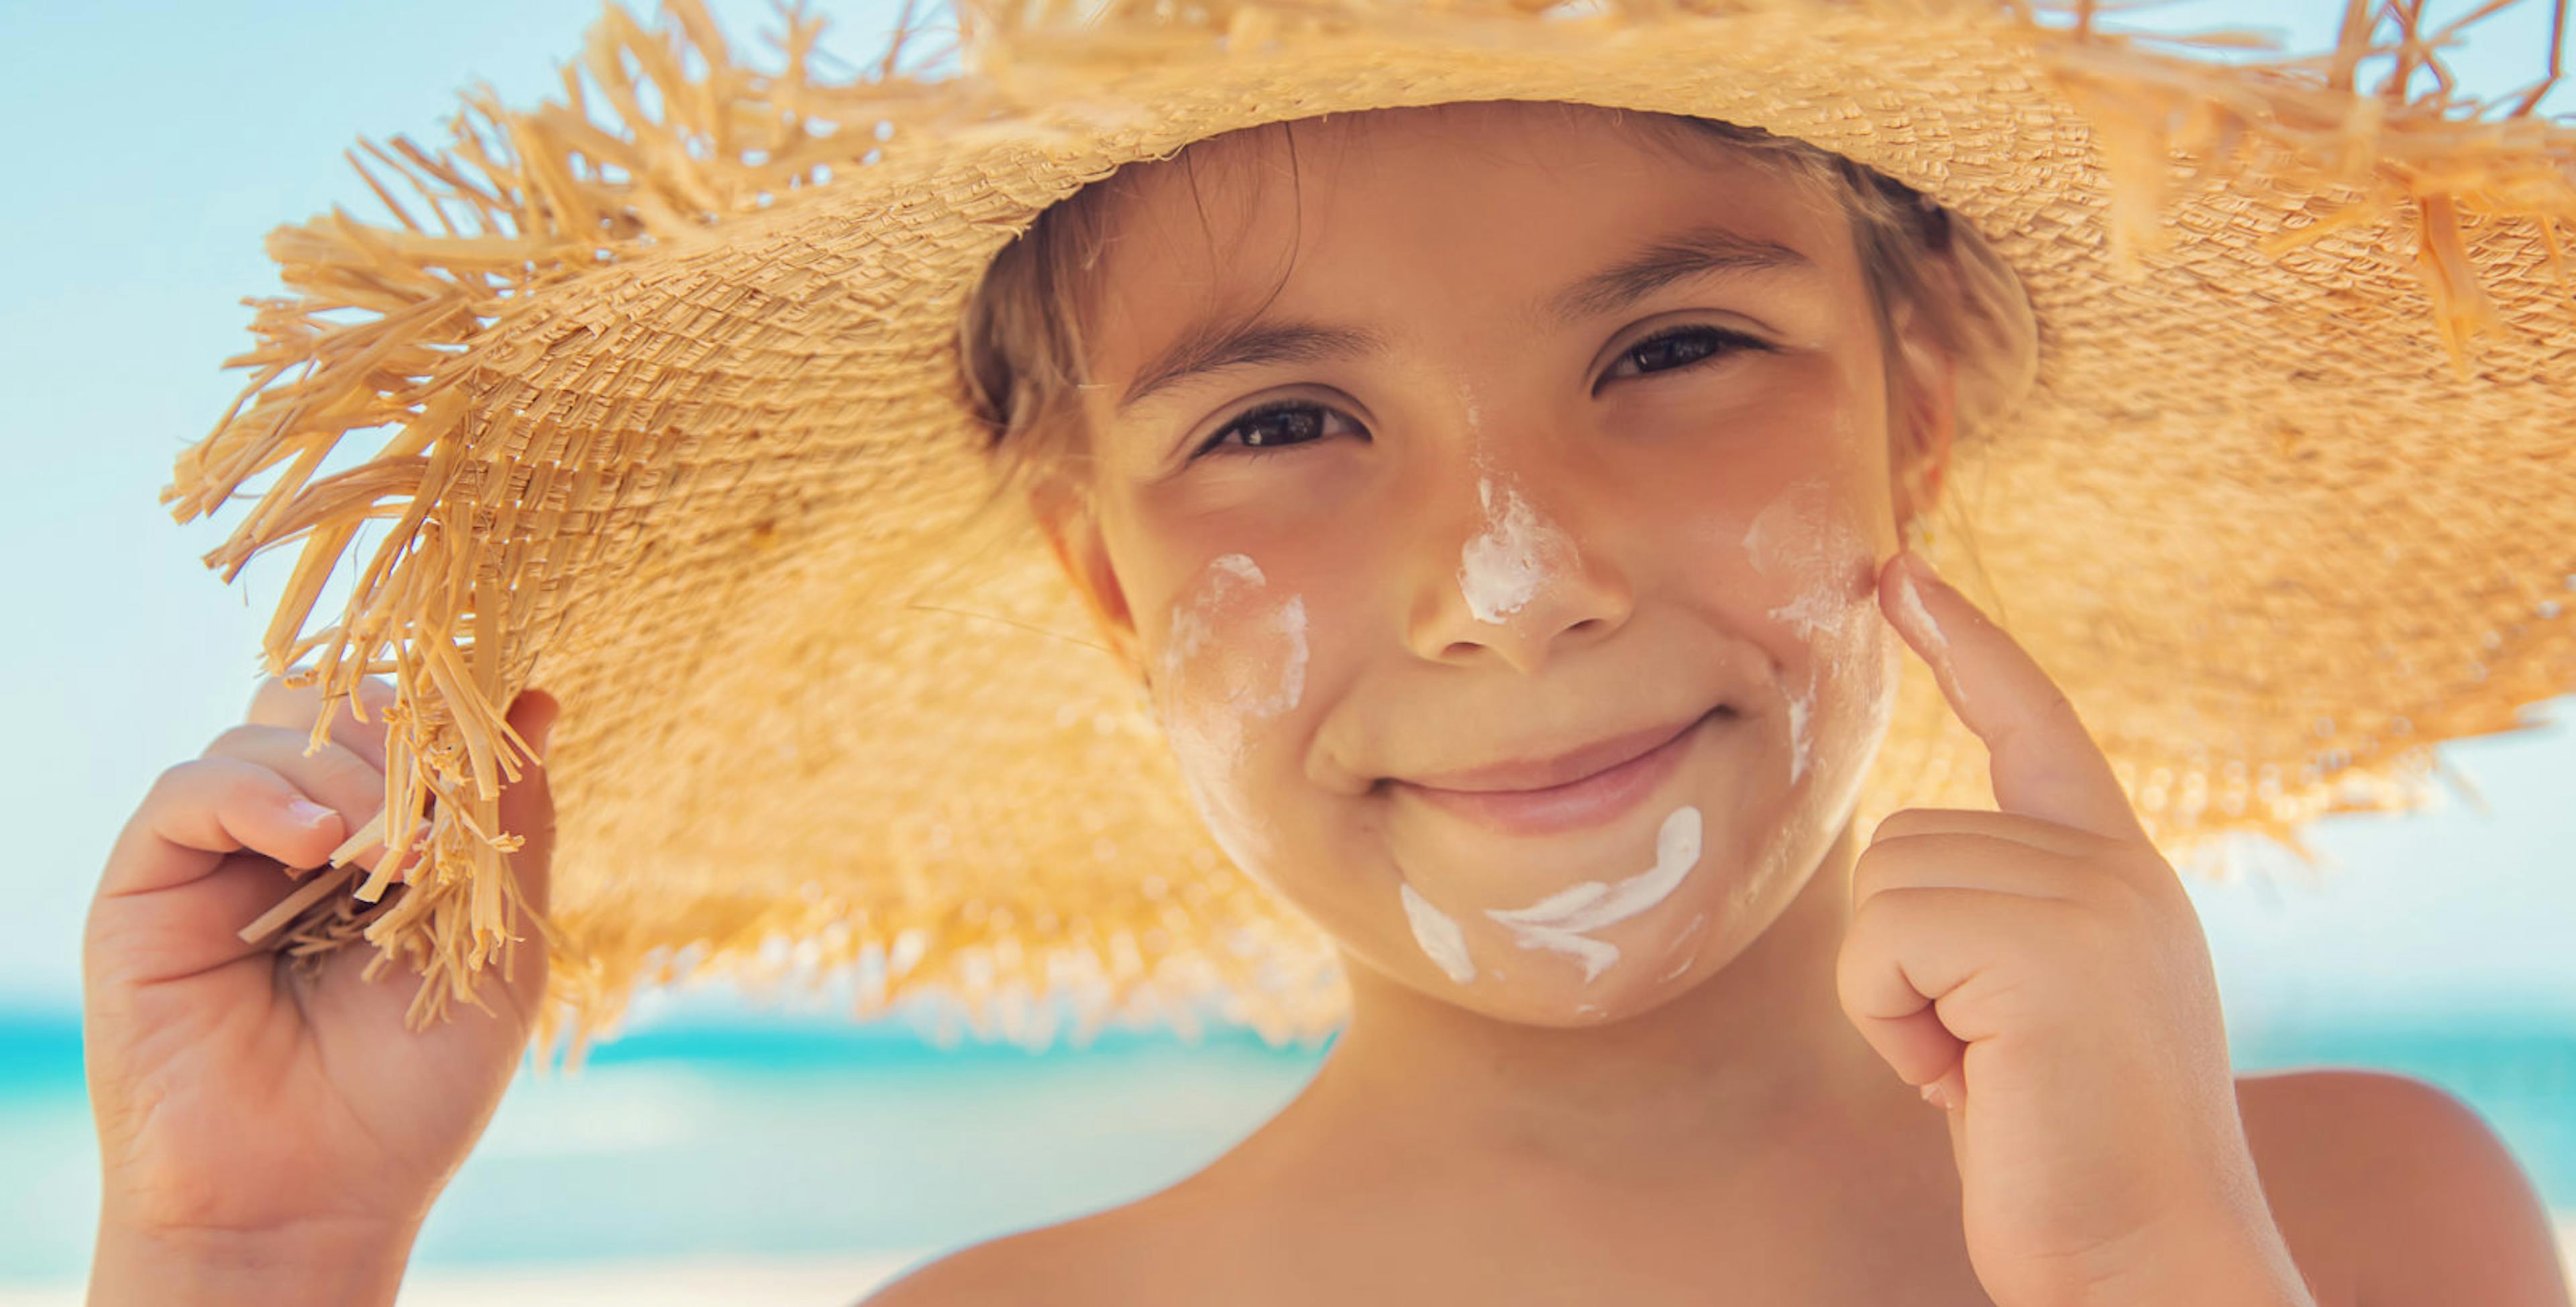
column 1535, row 990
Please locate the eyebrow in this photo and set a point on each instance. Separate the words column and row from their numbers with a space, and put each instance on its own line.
column 1223, row 343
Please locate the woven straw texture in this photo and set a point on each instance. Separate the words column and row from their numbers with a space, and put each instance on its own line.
column 670, row 403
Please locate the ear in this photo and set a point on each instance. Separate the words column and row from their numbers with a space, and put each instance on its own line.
column 1921, row 434
column 1072, row 530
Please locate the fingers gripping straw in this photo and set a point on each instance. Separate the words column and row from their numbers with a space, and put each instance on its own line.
column 1234, row 652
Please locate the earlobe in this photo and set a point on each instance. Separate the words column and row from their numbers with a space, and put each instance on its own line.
column 1072, row 532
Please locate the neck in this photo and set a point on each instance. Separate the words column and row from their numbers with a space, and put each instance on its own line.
column 1744, row 1065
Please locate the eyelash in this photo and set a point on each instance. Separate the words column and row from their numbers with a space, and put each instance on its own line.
column 1726, row 343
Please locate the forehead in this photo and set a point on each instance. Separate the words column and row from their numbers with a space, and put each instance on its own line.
column 1475, row 208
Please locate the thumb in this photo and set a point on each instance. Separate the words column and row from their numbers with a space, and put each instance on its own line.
column 527, row 804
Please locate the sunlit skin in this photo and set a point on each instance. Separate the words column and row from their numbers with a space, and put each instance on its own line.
column 1722, row 1111
column 1705, row 1110
column 1657, row 613
column 1712, row 1098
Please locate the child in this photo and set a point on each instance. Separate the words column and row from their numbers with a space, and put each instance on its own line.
column 1503, row 505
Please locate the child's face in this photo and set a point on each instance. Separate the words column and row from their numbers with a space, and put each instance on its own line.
column 1506, row 532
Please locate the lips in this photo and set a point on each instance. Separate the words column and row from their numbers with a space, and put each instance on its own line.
column 1562, row 769
column 1594, row 800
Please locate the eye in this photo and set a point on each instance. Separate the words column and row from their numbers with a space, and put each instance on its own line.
column 1691, row 345
column 1290, row 422
column 1266, row 428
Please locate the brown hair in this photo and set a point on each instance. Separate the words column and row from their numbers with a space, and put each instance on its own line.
column 1021, row 336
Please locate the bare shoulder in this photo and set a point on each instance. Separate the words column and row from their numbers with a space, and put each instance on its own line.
column 1016, row 1268
column 1149, row 1251
column 2393, row 1192
column 1046, row 1264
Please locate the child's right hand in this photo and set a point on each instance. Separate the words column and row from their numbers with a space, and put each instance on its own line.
column 236, row 1103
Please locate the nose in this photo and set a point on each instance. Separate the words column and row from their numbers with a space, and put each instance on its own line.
column 1516, row 574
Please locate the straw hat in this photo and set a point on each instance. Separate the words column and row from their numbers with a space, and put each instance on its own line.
column 678, row 432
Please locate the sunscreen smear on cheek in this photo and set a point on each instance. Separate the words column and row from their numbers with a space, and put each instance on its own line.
column 1234, row 654
column 1803, row 537
column 1801, row 740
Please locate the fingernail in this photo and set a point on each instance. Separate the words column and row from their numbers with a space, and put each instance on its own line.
column 1937, row 1096
column 308, row 813
column 1909, row 605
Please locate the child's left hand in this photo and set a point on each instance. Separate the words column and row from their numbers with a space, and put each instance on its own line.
column 2043, row 966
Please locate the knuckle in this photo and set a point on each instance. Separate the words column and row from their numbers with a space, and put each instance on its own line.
column 2060, row 710
column 1880, row 866
column 338, row 767
column 1864, row 874
column 2088, row 932
column 1903, row 822
column 1874, row 898
column 212, row 781
column 172, row 779
column 275, row 698
column 182, row 777
column 240, row 739
column 2132, row 895
column 373, row 697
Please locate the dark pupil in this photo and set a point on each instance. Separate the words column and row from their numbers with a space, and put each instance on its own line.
column 1698, row 343
column 1304, row 423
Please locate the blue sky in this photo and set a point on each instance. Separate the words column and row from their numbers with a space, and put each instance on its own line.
column 178, row 135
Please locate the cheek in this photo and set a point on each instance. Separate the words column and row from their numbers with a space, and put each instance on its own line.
column 1235, row 645
column 1232, row 660
column 1809, row 546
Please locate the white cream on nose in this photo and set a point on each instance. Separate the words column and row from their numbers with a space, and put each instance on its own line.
column 1503, row 566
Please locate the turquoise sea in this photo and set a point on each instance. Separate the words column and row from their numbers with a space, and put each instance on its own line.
column 779, row 1137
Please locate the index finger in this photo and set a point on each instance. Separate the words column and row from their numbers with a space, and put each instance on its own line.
column 2045, row 764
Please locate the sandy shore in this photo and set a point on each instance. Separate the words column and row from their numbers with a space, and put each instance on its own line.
column 767, row 1282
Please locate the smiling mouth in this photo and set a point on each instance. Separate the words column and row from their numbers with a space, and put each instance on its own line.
column 1536, row 775
column 1588, row 800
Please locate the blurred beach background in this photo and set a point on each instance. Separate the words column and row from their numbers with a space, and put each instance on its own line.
column 740, row 1149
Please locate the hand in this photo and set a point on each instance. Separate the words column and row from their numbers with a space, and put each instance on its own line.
column 2043, row 968
column 234, row 1099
